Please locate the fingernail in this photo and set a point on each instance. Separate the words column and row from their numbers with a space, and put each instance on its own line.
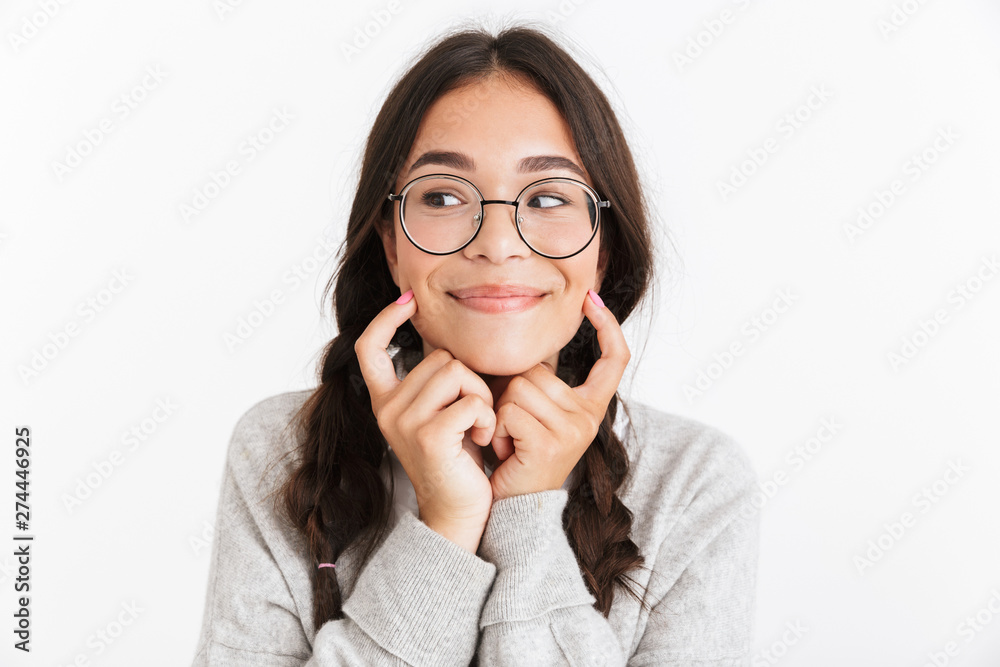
column 406, row 296
column 596, row 299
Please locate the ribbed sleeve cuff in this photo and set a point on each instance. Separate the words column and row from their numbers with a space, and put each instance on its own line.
column 420, row 595
column 536, row 567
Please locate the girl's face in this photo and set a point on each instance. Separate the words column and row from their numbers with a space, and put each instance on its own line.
column 494, row 125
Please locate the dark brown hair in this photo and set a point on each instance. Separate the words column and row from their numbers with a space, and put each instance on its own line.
column 336, row 494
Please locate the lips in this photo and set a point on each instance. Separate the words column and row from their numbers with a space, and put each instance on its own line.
column 496, row 291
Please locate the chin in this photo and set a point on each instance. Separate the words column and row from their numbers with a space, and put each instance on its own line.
column 503, row 371
column 499, row 364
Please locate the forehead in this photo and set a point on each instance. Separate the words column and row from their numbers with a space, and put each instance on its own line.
column 497, row 121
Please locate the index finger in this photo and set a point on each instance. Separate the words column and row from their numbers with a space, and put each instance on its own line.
column 372, row 347
column 603, row 380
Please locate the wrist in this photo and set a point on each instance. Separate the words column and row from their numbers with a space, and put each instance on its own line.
column 465, row 535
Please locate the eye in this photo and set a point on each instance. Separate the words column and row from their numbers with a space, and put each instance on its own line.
column 438, row 199
column 548, row 201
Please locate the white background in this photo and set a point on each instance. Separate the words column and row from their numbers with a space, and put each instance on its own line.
column 142, row 535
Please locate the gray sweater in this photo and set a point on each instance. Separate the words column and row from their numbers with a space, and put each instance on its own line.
column 521, row 600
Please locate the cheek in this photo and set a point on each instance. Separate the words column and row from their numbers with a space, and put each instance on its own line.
column 418, row 271
column 583, row 276
column 413, row 266
column 578, row 282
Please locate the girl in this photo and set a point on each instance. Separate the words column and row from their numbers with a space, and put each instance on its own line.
column 465, row 486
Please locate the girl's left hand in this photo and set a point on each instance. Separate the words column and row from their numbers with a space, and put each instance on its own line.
column 544, row 426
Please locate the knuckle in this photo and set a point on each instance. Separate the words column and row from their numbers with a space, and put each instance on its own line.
column 422, row 436
column 584, row 428
column 476, row 402
column 382, row 422
column 518, row 382
column 595, row 427
column 441, row 353
column 404, row 422
column 382, row 418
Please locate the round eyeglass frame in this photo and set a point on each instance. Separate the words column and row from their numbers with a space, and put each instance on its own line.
column 598, row 205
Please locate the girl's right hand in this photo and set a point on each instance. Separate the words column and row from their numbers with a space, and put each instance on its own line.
column 425, row 419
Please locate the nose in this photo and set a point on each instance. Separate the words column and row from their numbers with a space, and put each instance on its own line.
column 498, row 237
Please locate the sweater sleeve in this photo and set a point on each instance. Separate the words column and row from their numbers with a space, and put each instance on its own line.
column 416, row 602
column 539, row 611
column 701, row 588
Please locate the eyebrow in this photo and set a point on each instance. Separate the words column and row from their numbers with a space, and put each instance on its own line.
column 528, row 165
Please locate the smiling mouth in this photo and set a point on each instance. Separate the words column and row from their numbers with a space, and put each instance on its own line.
column 506, row 304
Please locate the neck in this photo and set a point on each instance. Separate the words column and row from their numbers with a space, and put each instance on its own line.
column 496, row 383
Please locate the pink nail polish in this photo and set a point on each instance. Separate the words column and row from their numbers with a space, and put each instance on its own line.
column 405, row 297
column 596, row 299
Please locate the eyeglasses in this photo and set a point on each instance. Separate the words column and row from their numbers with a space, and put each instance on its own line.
column 556, row 217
